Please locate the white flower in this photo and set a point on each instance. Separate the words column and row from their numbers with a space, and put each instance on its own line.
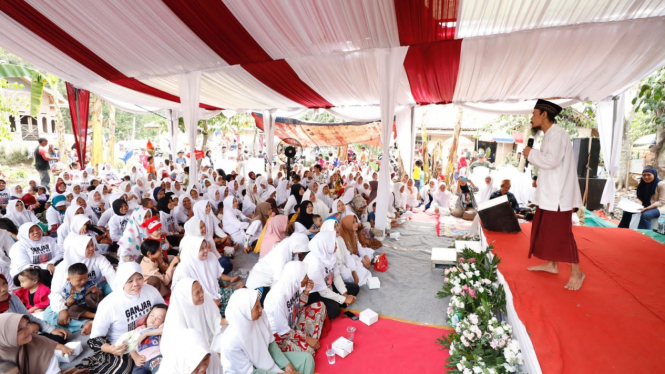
column 462, row 276
column 481, row 289
column 465, row 266
column 467, row 371
column 473, row 318
column 477, row 272
column 477, row 370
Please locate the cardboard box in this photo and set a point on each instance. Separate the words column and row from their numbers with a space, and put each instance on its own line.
column 76, row 346
column 342, row 347
column 369, row 317
column 373, row 283
column 394, row 235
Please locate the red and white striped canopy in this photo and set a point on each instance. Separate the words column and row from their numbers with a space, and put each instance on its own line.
column 290, row 54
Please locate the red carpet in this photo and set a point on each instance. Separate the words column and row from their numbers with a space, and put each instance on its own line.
column 387, row 346
column 614, row 324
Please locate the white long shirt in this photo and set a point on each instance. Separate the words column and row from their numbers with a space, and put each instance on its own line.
column 558, row 187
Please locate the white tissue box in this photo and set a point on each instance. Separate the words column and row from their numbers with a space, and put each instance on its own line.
column 394, row 235
column 76, row 346
column 342, row 347
column 443, row 256
column 369, row 317
column 373, row 283
column 473, row 245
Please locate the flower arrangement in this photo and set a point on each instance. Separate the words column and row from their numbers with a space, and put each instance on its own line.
column 480, row 343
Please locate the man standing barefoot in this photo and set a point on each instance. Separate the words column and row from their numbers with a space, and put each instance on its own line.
column 557, row 194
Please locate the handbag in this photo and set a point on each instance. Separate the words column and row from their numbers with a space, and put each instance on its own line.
column 381, row 263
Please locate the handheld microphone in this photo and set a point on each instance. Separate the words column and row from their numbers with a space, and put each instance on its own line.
column 529, row 144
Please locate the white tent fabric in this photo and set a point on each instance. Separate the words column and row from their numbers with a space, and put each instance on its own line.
column 347, row 79
column 389, row 65
column 357, row 113
column 480, row 17
column 189, row 85
column 269, row 119
column 405, row 127
column 230, row 87
column 309, row 28
column 610, row 119
column 520, row 107
column 584, row 63
column 139, row 37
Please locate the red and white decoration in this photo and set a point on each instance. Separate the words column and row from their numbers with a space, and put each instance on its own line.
column 265, row 55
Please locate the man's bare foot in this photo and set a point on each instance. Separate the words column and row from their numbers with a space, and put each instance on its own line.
column 87, row 328
column 575, row 281
column 548, row 267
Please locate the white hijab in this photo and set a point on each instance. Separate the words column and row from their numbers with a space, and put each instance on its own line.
column 282, row 192
column 230, row 220
column 184, row 350
column 244, row 334
column 183, row 314
column 207, row 271
column 19, row 218
column 282, row 312
column 485, row 190
column 199, row 211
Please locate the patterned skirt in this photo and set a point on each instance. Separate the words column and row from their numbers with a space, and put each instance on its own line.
column 224, row 296
column 310, row 323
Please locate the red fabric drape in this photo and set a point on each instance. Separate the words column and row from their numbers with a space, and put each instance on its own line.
column 33, row 20
column 424, row 21
column 281, row 77
column 79, row 105
column 214, row 23
column 432, row 71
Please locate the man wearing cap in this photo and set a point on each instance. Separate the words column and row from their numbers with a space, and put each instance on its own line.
column 41, row 162
column 557, row 195
column 482, row 161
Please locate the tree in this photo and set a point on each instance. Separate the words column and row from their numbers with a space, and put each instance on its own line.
column 650, row 101
column 9, row 106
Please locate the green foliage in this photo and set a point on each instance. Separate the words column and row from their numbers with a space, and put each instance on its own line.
column 569, row 119
column 14, row 156
column 18, row 175
column 650, row 99
column 9, row 106
column 119, row 165
column 321, row 117
column 641, row 125
column 36, row 85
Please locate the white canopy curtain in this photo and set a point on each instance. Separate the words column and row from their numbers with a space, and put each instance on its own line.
column 389, row 63
column 610, row 116
column 189, row 87
column 269, row 118
column 172, row 121
column 405, row 126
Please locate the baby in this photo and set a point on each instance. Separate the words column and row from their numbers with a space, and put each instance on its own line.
column 316, row 227
column 147, row 356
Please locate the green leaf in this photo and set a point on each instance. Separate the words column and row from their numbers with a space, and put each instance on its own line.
column 37, row 88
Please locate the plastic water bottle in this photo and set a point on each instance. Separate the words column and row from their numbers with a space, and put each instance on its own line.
column 661, row 224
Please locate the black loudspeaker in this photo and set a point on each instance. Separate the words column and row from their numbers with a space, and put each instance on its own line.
column 596, row 186
column 581, row 151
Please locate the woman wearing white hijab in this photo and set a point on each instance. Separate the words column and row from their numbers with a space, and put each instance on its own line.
column 194, row 193
column 183, row 212
column 233, row 221
column 136, row 172
column 442, row 200
column 34, row 250
column 141, row 188
column 427, row 193
column 261, row 184
column 268, row 193
column 349, row 193
column 119, row 312
column 186, row 352
column 269, row 268
column 214, row 196
column 320, row 207
column 248, row 344
column 133, row 200
column 297, row 327
column 324, row 195
column 350, row 267
column 18, row 214
column 282, row 192
column 329, row 287
column 202, row 210
column 251, row 200
column 191, row 308
column 485, row 190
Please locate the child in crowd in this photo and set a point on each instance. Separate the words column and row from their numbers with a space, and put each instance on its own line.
column 42, row 195
column 316, row 227
column 33, row 294
column 81, row 295
column 147, row 356
column 156, row 271
column 148, row 203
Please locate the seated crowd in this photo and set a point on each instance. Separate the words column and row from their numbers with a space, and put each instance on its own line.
column 142, row 264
